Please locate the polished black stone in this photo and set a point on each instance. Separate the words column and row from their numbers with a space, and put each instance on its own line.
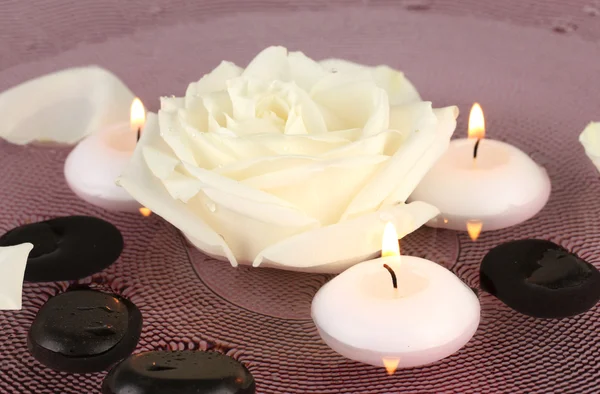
column 84, row 331
column 67, row 248
column 540, row 278
column 182, row 372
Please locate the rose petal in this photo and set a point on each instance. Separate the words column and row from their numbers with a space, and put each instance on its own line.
column 248, row 226
column 63, row 107
column 245, row 194
column 420, row 122
column 386, row 143
column 309, row 187
column 445, row 127
column 175, row 136
column 399, row 89
column 215, row 81
column 334, row 248
column 219, row 106
column 139, row 181
column 13, row 260
column 224, row 149
column 244, row 169
column 295, row 124
column 305, row 72
column 352, row 101
column 270, row 65
column 590, row 139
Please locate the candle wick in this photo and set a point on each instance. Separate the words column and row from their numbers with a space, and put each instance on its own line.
column 476, row 148
column 139, row 134
column 393, row 274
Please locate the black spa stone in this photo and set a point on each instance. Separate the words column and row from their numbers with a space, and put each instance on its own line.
column 181, row 372
column 67, row 248
column 540, row 279
column 84, row 331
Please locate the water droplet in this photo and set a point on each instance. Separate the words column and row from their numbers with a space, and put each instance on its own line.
column 591, row 10
column 286, row 148
column 220, row 166
column 334, row 70
column 211, row 206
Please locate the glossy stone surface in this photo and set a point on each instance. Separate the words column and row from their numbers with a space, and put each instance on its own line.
column 84, row 331
column 67, row 248
column 181, row 372
column 540, row 279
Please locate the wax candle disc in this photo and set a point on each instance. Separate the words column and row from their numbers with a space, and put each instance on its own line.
column 67, row 248
column 540, row 278
column 179, row 372
column 84, row 331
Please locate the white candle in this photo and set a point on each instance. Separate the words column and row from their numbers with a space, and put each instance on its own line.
column 97, row 161
column 430, row 315
column 498, row 188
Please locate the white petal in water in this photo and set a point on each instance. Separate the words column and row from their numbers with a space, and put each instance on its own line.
column 590, row 139
column 13, row 260
column 63, row 107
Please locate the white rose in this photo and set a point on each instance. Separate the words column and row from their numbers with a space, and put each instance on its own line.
column 590, row 139
column 290, row 163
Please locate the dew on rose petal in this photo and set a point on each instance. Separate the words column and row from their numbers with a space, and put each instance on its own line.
column 286, row 148
column 211, row 206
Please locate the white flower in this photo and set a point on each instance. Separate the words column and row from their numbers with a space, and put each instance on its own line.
column 64, row 106
column 13, row 260
column 590, row 139
column 290, row 163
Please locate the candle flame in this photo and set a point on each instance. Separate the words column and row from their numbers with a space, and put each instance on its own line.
column 476, row 122
column 145, row 211
column 474, row 229
column 390, row 364
column 137, row 117
column 389, row 244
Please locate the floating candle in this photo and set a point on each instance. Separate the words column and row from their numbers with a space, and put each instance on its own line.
column 93, row 166
column 401, row 311
column 485, row 181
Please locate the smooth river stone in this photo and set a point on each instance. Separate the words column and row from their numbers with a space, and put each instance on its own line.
column 182, row 372
column 67, row 248
column 540, row 279
column 84, row 331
